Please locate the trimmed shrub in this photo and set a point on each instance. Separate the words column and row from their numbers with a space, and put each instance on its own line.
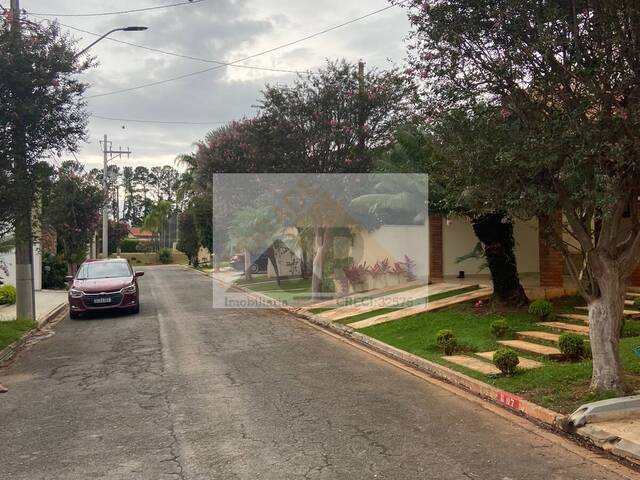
column 499, row 328
column 506, row 360
column 165, row 256
column 541, row 308
column 129, row 245
column 54, row 269
column 144, row 247
column 7, row 294
column 631, row 328
column 572, row 346
column 446, row 340
column 636, row 303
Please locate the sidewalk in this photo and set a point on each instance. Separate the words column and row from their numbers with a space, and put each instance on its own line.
column 46, row 302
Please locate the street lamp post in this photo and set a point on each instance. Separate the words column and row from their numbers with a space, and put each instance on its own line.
column 106, row 150
column 121, row 29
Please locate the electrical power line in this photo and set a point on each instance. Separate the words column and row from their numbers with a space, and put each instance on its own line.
column 120, row 12
column 279, row 47
column 163, row 122
column 179, row 55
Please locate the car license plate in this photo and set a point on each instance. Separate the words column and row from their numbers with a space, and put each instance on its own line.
column 102, row 300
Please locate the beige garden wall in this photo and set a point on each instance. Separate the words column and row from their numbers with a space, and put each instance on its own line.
column 393, row 242
column 459, row 239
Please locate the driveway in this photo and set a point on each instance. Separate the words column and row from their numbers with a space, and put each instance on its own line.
column 182, row 391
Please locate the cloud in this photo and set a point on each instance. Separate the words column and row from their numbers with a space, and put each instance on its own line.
column 218, row 30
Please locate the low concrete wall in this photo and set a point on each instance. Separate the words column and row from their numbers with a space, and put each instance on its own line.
column 393, row 242
column 10, row 260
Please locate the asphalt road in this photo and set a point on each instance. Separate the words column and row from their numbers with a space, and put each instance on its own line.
column 182, row 391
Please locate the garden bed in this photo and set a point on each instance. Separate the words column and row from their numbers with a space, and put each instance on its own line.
column 560, row 386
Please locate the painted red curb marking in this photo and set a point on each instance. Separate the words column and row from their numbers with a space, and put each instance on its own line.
column 511, row 401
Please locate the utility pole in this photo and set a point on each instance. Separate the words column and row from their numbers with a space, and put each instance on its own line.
column 25, row 302
column 108, row 155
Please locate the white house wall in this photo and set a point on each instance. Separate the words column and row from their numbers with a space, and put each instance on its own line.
column 10, row 260
column 393, row 242
column 458, row 239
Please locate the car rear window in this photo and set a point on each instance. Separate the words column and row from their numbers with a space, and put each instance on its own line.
column 103, row 270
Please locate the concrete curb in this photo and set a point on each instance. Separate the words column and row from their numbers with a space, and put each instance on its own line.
column 8, row 353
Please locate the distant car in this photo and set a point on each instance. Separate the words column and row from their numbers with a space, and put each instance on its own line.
column 103, row 285
column 259, row 264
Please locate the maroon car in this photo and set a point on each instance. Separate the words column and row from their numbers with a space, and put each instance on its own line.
column 102, row 285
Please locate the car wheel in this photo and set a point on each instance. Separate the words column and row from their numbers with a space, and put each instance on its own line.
column 74, row 315
column 135, row 310
column 255, row 268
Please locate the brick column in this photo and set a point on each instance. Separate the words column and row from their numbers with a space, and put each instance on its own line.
column 436, row 269
column 634, row 280
column 550, row 260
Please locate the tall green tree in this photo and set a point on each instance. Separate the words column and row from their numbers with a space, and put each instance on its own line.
column 72, row 209
column 143, row 184
column 556, row 83
column 188, row 241
column 41, row 110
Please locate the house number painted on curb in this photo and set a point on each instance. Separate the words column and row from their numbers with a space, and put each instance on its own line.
column 509, row 400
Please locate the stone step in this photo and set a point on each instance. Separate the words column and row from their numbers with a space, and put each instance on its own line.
column 529, row 347
column 566, row 327
column 633, row 294
column 627, row 313
column 536, row 335
column 525, row 363
column 575, row 316
column 473, row 364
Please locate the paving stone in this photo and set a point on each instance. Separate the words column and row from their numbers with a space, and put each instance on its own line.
column 567, row 327
column 626, row 312
column 525, row 363
column 575, row 316
column 549, row 337
column 386, row 301
column 428, row 307
column 473, row 364
column 529, row 347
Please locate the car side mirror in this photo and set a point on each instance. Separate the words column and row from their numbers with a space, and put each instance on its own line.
column 68, row 279
column 139, row 274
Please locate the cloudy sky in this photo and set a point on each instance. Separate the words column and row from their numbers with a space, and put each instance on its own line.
column 222, row 30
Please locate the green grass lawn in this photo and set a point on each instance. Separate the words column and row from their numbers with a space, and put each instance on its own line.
column 290, row 289
column 561, row 386
column 13, row 330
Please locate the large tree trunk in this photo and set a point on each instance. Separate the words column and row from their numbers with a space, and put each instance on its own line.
column 606, row 317
column 271, row 255
column 322, row 241
column 247, row 265
column 496, row 236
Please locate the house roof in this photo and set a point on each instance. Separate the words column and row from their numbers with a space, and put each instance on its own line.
column 140, row 233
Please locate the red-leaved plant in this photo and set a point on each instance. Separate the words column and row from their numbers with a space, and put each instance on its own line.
column 356, row 273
